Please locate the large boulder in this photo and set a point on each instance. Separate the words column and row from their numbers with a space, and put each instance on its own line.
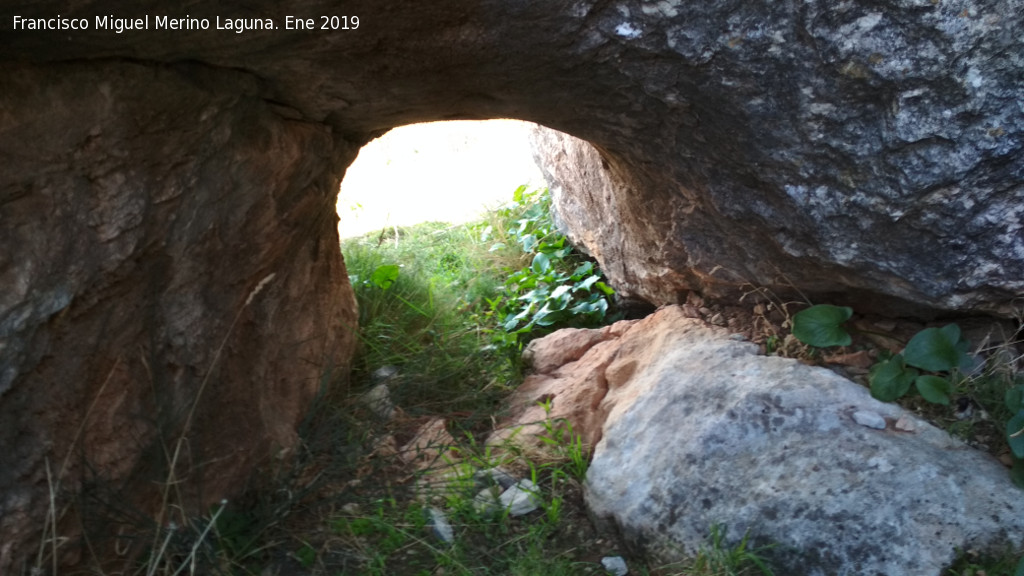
column 151, row 179
column 694, row 429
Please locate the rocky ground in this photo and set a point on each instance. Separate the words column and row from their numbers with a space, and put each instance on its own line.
column 413, row 459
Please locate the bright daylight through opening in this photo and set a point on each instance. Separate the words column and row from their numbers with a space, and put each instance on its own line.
column 439, row 171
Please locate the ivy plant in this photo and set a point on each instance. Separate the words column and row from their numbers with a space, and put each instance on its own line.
column 940, row 352
column 929, row 362
column 558, row 288
column 821, row 325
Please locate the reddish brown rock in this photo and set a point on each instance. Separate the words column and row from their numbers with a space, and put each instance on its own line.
column 579, row 375
column 547, row 354
column 170, row 271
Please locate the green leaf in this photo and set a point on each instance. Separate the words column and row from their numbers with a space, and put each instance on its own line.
column 935, row 349
column 1014, row 436
column 541, row 263
column 586, row 284
column 583, row 308
column 821, row 325
column 968, row 363
column 535, row 296
column 891, row 379
column 529, row 242
column 951, row 331
column 553, row 247
column 384, row 276
column 517, row 196
column 525, row 281
column 558, row 303
column 546, row 316
column 608, row 290
column 306, row 556
column 1014, row 399
column 558, row 292
column 935, row 389
column 1017, row 475
column 583, row 269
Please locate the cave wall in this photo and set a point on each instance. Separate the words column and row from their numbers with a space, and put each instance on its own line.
column 152, row 179
column 170, row 267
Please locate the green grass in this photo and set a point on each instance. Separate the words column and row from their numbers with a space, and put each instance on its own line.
column 390, row 535
column 452, row 306
column 973, row 564
column 426, row 322
column 439, row 323
column 718, row 558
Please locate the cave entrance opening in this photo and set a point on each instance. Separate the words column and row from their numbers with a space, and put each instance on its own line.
column 436, row 172
column 456, row 263
column 414, row 211
column 447, row 299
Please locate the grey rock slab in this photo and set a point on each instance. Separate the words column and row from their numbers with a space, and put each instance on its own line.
column 869, row 419
column 438, row 525
column 378, row 400
column 521, row 498
column 723, row 436
column 486, row 501
column 384, row 373
column 496, row 476
column 615, row 565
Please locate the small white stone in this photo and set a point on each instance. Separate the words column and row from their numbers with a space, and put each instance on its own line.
column 439, row 526
column 615, row 565
column 378, row 400
column 494, row 476
column 869, row 419
column 905, row 424
column 486, row 501
column 520, row 499
column 384, row 373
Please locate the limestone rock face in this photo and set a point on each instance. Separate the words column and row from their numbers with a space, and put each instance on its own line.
column 170, row 269
column 696, row 429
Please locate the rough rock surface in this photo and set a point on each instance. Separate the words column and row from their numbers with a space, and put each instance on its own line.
column 698, row 429
column 169, row 267
column 570, row 380
column 151, row 179
column 910, row 249
column 845, row 148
